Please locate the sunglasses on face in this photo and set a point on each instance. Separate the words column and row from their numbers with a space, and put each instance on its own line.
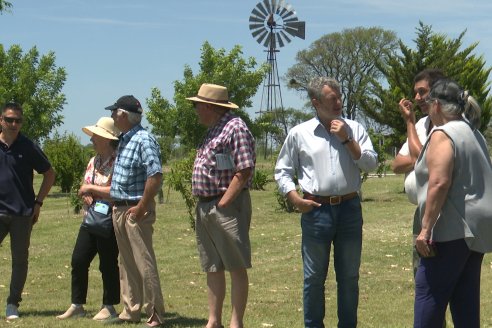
column 12, row 119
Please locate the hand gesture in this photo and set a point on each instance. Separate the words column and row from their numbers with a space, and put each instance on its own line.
column 406, row 110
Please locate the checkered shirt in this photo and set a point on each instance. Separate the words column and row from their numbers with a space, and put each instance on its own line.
column 231, row 137
column 138, row 158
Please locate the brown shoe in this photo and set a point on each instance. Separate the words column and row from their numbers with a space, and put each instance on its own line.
column 73, row 312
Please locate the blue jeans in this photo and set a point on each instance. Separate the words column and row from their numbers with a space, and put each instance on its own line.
column 341, row 225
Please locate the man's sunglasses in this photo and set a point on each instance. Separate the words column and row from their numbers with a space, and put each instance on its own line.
column 12, row 119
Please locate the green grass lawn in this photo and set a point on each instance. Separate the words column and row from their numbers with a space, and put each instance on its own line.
column 386, row 281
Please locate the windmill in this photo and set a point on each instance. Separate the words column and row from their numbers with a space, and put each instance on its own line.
column 274, row 24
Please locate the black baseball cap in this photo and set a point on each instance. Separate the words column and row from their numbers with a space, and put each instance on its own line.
column 128, row 103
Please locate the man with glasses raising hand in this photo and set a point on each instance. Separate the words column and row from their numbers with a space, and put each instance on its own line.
column 19, row 206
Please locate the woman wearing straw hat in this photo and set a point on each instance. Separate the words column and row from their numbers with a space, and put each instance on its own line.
column 96, row 184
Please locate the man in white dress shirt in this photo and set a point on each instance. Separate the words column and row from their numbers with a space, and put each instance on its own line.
column 326, row 155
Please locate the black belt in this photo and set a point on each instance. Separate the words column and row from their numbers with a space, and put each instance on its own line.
column 332, row 200
column 125, row 202
column 206, row 199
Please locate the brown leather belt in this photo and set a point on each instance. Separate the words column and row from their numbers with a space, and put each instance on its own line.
column 332, row 200
column 125, row 202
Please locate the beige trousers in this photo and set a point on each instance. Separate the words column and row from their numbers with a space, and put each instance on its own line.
column 139, row 277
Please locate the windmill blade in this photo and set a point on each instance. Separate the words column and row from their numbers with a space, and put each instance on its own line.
column 262, row 36
column 268, row 39
column 281, row 11
column 287, row 14
column 285, row 36
column 254, row 19
column 274, row 6
column 291, row 19
column 280, row 41
column 259, row 31
column 254, row 27
column 258, row 14
column 268, row 6
column 280, row 7
column 260, row 7
column 297, row 29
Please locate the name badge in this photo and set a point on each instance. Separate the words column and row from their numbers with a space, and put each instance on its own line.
column 224, row 161
column 101, row 207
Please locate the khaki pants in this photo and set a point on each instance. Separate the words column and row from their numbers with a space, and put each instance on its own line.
column 139, row 277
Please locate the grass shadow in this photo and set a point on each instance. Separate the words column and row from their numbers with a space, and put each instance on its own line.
column 176, row 320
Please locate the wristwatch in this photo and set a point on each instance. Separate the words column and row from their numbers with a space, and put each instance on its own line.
column 40, row 203
column 349, row 139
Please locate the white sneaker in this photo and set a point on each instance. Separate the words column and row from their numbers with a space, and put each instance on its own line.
column 12, row 312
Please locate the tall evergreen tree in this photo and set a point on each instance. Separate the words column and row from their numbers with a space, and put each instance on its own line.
column 433, row 50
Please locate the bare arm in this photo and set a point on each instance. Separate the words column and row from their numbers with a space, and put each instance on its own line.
column 405, row 163
column 440, row 163
column 152, row 186
column 44, row 189
column 402, row 164
column 237, row 184
column 93, row 190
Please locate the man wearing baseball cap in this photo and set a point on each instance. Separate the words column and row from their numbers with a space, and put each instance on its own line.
column 222, row 176
column 137, row 178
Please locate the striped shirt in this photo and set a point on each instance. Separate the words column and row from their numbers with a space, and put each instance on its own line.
column 138, row 158
column 228, row 147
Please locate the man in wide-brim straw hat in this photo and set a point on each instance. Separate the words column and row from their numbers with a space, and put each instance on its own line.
column 222, row 176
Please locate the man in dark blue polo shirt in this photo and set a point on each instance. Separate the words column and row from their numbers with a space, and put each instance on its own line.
column 19, row 207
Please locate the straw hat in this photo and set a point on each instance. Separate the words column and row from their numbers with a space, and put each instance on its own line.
column 104, row 128
column 213, row 94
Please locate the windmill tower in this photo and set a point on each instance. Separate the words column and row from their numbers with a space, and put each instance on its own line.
column 273, row 23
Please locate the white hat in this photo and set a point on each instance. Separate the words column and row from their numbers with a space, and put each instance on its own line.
column 104, row 128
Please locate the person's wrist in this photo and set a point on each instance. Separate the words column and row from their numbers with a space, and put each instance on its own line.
column 38, row 202
column 346, row 141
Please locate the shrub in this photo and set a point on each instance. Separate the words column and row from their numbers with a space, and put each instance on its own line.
column 260, row 179
column 68, row 158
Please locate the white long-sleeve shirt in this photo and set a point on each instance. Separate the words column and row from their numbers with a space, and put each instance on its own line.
column 322, row 164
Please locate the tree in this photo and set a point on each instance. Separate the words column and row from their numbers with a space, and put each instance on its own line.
column 432, row 50
column 69, row 159
column 178, row 123
column 352, row 57
column 4, row 6
column 240, row 75
column 36, row 83
column 272, row 123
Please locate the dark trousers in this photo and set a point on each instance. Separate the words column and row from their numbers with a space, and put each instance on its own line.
column 19, row 228
column 86, row 248
column 453, row 277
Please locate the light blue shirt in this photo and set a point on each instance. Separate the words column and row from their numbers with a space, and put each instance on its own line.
column 138, row 158
column 321, row 163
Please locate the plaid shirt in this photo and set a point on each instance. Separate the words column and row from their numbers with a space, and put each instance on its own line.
column 228, row 147
column 138, row 158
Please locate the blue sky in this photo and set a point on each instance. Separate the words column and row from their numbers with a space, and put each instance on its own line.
column 114, row 47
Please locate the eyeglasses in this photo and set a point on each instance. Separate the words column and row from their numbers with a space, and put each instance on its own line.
column 12, row 119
